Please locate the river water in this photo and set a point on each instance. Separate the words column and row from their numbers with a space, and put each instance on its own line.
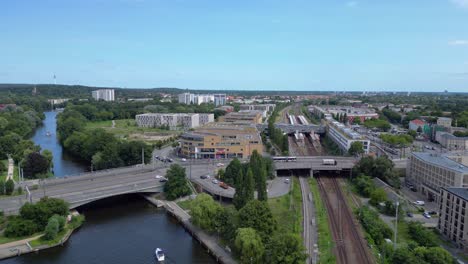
column 118, row 230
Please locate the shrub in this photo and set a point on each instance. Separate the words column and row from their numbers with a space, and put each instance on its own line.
column 18, row 227
column 51, row 229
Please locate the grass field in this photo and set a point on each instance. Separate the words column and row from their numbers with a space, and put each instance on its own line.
column 127, row 129
column 325, row 244
column 287, row 210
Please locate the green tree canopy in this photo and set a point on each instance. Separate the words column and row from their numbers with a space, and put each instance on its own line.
column 257, row 215
column 204, row 212
column 249, row 245
column 285, row 249
column 356, row 148
column 176, row 185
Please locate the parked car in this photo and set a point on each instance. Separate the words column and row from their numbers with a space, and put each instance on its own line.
column 426, row 215
column 286, row 181
column 419, row 203
column 215, row 181
column 158, row 176
column 223, row 185
column 220, row 165
column 409, row 214
column 432, row 213
column 183, row 159
column 413, row 189
column 163, row 180
column 204, row 177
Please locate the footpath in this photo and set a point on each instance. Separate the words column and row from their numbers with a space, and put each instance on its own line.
column 11, row 169
column 16, row 248
column 209, row 242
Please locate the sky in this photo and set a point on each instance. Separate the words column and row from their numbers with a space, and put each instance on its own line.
column 309, row 45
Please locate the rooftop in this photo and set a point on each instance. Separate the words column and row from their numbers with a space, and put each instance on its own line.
column 418, row 122
column 461, row 192
column 441, row 161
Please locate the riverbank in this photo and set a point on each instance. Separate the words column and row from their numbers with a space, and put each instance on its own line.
column 35, row 243
column 207, row 241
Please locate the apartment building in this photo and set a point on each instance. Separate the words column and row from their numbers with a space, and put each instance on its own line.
column 453, row 216
column 189, row 98
column 260, row 107
column 429, row 172
column 220, row 140
column 444, row 121
column 344, row 136
column 173, row 121
column 103, row 94
column 243, row 117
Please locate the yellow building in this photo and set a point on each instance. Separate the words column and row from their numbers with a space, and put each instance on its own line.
column 220, row 140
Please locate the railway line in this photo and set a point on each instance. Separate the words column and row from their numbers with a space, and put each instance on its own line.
column 350, row 247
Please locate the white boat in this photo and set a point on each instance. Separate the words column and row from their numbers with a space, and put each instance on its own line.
column 159, row 254
column 48, row 134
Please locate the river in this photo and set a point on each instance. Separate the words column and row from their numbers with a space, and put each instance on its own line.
column 118, row 230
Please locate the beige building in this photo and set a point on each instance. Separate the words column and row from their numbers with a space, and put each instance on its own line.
column 444, row 121
column 453, row 216
column 245, row 117
column 451, row 142
column 430, row 172
column 220, row 140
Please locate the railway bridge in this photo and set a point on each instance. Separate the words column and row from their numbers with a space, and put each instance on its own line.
column 308, row 165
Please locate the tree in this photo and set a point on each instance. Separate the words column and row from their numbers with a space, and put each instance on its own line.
column 402, row 255
column 364, row 185
column 412, row 133
column 257, row 215
column 249, row 245
column 433, row 255
column 2, row 187
column 18, row 227
column 421, row 235
column 34, row 164
column 356, row 148
column 52, row 229
column 233, row 172
column 244, row 189
column 49, row 156
column 40, row 212
column 377, row 196
column 60, row 220
column 2, row 167
column 176, row 185
column 226, row 223
column 259, row 171
column 9, row 187
column 285, row 249
column 204, row 211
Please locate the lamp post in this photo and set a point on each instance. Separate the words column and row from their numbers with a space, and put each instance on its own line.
column 396, row 224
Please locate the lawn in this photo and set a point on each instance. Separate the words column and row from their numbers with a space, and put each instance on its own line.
column 4, row 239
column 325, row 241
column 186, row 205
column 287, row 210
column 127, row 129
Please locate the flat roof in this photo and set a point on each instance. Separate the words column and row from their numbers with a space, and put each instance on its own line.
column 441, row 161
column 461, row 192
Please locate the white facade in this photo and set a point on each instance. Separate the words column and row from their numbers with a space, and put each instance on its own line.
column 173, row 121
column 219, row 99
column 344, row 136
column 104, row 94
column 444, row 121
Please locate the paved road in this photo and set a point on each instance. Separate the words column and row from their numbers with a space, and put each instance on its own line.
column 316, row 163
column 310, row 230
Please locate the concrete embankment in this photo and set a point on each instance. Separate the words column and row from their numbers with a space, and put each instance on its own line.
column 210, row 243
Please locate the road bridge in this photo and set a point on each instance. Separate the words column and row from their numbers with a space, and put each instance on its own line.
column 313, row 164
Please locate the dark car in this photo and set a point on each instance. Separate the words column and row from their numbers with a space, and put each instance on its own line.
column 163, row 180
column 432, row 212
column 409, row 214
column 203, row 177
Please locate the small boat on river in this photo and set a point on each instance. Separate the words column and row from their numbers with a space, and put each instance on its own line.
column 159, row 254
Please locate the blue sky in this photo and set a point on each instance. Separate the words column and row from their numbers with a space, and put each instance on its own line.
column 374, row 45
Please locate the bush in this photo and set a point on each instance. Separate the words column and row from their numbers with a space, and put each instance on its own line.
column 18, row 227
column 51, row 229
column 9, row 187
column 60, row 220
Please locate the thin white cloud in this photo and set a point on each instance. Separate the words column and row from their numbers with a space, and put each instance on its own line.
column 458, row 42
column 351, row 4
column 460, row 3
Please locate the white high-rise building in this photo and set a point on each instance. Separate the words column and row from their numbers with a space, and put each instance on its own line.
column 189, row 98
column 104, row 94
column 219, row 99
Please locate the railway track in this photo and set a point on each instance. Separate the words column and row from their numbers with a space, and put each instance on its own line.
column 307, row 216
column 350, row 247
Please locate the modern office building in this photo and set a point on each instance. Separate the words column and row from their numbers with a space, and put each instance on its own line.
column 245, row 117
column 350, row 112
column 344, row 136
column 220, row 140
column 103, row 94
column 453, row 216
column 428, row 172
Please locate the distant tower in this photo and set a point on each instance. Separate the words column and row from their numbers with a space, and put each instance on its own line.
column 408, row 94
column 34, row 91
column 55, row 80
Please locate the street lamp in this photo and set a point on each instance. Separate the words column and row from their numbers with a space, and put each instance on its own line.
column 396, row 224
